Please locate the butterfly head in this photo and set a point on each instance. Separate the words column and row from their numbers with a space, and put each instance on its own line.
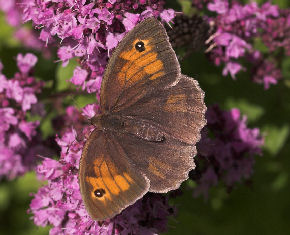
column 96, row 120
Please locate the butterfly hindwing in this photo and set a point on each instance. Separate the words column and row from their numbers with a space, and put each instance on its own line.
column 142, row 62
column 108, row 182
column 166, row 163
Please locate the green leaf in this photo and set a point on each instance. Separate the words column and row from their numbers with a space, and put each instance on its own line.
column 186, row 6
column 281, row 3
column 275, row 138
column 286, row 68
column 252, row 111
column 26, row 184
column 6, row 35
column 46, row 125
column 260, row 46
column 83, row 100
column 281, row 181
column 63, row 74
column 4, row 197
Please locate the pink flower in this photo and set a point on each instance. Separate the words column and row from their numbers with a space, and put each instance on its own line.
column 232, row 68
column 90, row 110
column 113, row 40
column 26, row 62
column 79, row 76
column 219, row 6
column 228, row 155
column 130, row 20
column 167, row 15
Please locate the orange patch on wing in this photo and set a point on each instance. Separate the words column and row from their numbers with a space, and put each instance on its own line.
column 132, row 71
column 155, row 171
column 99, row 159
column 122, row 183
column 158, row 164
column 176, row 103
column 156, row 75
column 127, row 55
column 139, row 64
column 121, row 78
column 146, row 59
column 138, row 76
column 108, row 180
column 157, row 167
column 154, row 67
column 128, row 177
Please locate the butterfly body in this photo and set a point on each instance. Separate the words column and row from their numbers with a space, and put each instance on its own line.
column 128, row 125
column 151, row 118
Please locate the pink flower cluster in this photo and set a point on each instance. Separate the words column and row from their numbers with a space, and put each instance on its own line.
column 27, row 36
column 12, row 12
column 238, row 26
column 60, row 205
column 227, row 156
column 89, row 30
column 19, row 140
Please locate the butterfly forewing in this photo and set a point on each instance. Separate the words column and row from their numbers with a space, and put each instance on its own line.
column 144, row 61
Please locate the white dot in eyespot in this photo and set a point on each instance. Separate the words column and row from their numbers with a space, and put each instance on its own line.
column 139, row 46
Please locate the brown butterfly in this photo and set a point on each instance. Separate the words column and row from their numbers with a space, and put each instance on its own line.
column 151, row 118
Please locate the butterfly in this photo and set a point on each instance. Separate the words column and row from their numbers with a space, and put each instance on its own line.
column 151, row 118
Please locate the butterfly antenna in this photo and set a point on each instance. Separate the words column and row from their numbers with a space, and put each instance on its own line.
column 210, row 41
column 209, row 49
column 212, row 37
column 169, row 25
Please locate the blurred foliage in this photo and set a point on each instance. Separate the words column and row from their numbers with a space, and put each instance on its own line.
column 14, row 202
column 261, row 206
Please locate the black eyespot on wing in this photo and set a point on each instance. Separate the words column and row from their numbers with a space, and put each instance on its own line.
column 99, row 192
column 140, row 46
